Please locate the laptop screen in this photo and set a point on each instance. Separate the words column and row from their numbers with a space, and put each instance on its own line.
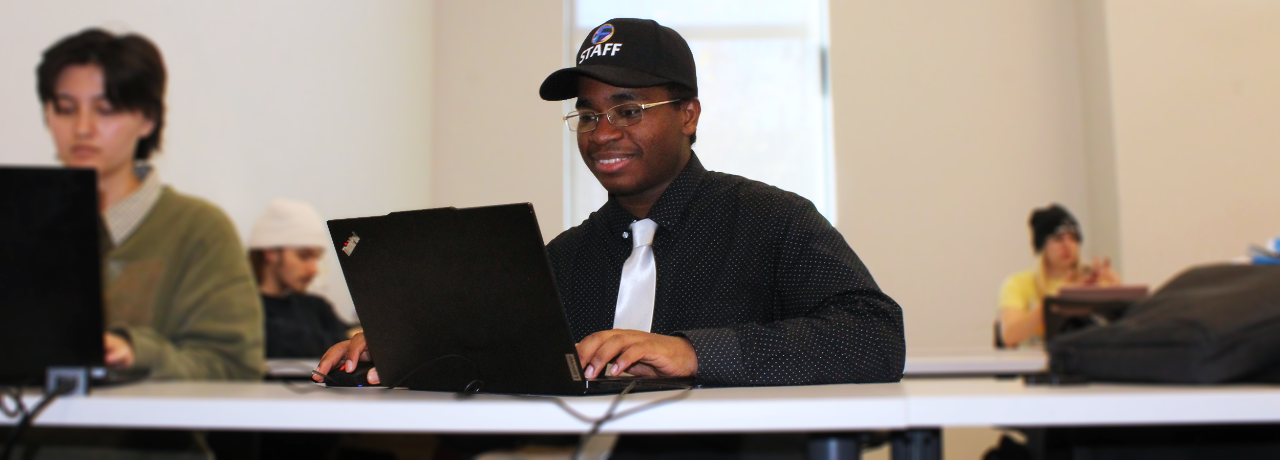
column 50, row 271
column 459, row 300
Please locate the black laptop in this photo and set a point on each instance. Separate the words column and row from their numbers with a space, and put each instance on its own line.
column 1081, row 307
column 50, row 272
column 464, row 300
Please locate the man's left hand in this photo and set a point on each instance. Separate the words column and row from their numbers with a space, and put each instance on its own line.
column 638, row 353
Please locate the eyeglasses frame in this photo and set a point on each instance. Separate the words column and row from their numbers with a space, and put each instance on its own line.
column 643, row 107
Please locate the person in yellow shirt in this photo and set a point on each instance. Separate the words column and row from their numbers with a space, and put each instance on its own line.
column 1056, row 237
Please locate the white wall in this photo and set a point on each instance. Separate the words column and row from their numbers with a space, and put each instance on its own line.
column 1195, row 90
column 952, row 121
column 1099, row 134
column 324, row 101
column 1154, row 120
column 496, row 141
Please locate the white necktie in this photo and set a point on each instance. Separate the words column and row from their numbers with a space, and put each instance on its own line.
column 639, row 280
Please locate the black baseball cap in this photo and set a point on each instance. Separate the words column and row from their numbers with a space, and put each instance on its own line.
column 627, row 53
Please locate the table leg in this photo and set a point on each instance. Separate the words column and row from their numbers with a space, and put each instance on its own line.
column 835, row 446
column 923, row 444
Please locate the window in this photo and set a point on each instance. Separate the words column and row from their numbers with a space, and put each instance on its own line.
column 762, row 80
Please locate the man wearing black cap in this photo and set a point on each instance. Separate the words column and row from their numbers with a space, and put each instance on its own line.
column 685, row 271
column 689, row 272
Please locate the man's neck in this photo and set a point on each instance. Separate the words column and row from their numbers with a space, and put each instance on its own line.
column 115, row 187
column 641, row 203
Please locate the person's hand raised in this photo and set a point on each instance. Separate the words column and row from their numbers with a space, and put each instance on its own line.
column 1105, row 275
column 345, row 355
column 637, row 353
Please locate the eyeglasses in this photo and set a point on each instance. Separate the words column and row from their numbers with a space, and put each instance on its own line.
column 620, row 115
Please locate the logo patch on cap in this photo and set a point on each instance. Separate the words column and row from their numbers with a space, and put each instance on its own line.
column 603, row 34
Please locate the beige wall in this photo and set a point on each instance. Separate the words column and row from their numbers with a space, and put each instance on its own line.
column 952, row 121
column 324, row 101
column 1099, row 135
column 495, row 140
column 1196, row 105
column 1155, row 121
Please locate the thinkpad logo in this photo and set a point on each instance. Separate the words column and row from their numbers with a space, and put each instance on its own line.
column 573, row 366
column 350, row 245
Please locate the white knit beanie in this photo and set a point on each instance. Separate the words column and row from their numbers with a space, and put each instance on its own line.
column 288, row 223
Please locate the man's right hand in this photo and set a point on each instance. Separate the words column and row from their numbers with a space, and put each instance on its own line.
column 345, row 355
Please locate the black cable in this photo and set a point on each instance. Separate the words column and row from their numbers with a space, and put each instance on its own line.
column 610, row 414
column 63, row 387
column 649, row 405
column 596, row 423
column 595, row 426
column 19, row 407
column 657, row 402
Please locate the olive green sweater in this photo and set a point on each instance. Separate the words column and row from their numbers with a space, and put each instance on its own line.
column 180, row 289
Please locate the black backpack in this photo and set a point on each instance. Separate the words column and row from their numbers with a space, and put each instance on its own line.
column 1210, row 324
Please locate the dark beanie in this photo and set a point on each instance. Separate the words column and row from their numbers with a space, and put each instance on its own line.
column 1047, row 221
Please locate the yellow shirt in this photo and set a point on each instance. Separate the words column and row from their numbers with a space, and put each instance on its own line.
column 1021, row 292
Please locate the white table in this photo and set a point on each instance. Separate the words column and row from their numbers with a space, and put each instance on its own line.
column 991, row 402
column 272, row 406
column 920, row 362
column 917, row 406
column 929, row 362
column 911, row 403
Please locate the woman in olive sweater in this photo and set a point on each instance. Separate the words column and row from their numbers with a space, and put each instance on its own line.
column 180, row 298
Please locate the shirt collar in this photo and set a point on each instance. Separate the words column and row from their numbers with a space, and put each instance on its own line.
column 123, row 218
column 668, row 212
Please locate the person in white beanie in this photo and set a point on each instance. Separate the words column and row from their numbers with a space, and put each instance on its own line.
column 285, row 248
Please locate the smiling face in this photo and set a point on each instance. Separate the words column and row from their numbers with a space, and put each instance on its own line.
column 640, row 160
column 87, row 130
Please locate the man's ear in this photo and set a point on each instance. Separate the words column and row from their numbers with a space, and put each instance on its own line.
column 691, row 110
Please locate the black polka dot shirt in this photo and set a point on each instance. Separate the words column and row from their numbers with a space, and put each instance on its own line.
column 766, row 290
